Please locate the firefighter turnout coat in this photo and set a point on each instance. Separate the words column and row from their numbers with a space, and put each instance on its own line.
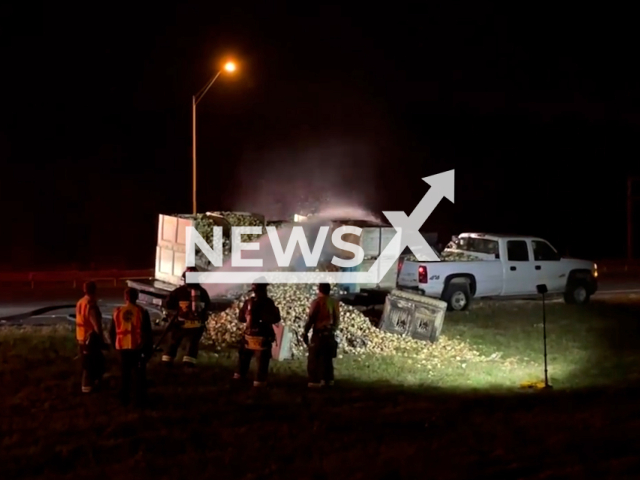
column 260, row 314
column 191, row 304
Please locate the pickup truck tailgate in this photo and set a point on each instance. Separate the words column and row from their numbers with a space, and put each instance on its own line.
column 408, row 277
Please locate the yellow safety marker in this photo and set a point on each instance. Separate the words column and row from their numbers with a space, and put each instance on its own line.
column 536, row 384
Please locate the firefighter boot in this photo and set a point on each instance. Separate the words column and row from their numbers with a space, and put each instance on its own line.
column 189, row 364
column 87, row 383
column 167, row 361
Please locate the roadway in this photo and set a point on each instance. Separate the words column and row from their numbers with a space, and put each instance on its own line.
column 618, row 283
column 14, row 303
column 19, row 302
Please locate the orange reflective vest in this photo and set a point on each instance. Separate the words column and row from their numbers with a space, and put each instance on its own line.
column 83, row 323
column 128, row 323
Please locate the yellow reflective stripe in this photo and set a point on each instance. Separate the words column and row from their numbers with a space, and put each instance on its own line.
column 188, row 359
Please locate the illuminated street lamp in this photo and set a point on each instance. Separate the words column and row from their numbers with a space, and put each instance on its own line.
column 229, row 67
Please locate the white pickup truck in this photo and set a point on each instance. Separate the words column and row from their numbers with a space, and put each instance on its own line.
column 499, row 266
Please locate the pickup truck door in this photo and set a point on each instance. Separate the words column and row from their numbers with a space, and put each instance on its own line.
column 519, row 273
column 547, row 265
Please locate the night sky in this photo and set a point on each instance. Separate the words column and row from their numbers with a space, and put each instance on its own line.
column 536, row 109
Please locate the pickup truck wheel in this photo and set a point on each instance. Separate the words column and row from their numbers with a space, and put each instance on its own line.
column 576, row 294
column 457, row 296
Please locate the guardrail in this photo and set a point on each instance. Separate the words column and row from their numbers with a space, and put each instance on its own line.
column 75, row 277
column 618, row 266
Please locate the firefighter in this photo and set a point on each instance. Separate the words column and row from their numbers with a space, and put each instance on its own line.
column 131, row 335
column 324, row 319
column 90, row 338
column 260, row 314
column 188, row 306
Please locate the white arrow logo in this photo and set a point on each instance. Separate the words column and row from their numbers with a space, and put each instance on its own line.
column 408, row 235
column 442, row 185
column 408, row 228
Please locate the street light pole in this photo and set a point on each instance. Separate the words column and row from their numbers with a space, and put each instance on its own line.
column 194, row 101
column 193, row 143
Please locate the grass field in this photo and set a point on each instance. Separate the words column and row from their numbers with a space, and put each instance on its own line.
column 386, row 417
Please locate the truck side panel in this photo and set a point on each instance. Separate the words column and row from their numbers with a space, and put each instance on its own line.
column 171, row 248
column 488, row 275
column 408, row 277
column 491, row 278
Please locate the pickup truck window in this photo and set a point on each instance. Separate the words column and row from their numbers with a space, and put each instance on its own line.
column 479, row 245
column 543, row 252
column 517, row 251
